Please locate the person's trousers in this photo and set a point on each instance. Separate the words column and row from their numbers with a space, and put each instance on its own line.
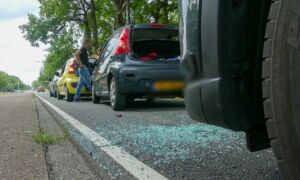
column 84, row 78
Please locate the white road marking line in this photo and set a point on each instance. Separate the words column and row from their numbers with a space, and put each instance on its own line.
column 130, row 163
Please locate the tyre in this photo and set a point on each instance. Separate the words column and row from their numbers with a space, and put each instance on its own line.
column 59, row 97
column 50, row 93
column 130, row 100
column 281, row 85
column 117, row 100
column 55, row 94
column 95, row 98
column 69, row 97
column 150, row 100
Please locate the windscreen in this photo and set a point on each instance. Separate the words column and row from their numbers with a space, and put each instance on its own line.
column 156, row 44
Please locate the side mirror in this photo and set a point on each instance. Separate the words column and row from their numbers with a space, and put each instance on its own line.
column 57, row 74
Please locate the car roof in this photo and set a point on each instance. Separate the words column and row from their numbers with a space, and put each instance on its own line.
column 149, row 26
column 154, row 26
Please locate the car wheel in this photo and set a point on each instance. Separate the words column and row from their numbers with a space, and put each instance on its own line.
column 59, row 97
column 55, row 94
column 50, row 93
column 69, row 97
column 117, row 100
column 95, row 98
column 281, row 85
column 130, row 100
column 150, row 99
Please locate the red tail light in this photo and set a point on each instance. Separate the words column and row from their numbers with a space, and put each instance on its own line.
column 123, row 44
column 71, row 68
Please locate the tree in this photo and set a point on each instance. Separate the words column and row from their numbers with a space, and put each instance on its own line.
column 155, row 11
column 61, row 49
column 120, row 7
column 56, row 17
column 8, row 82
column 3, row 80
column 62, row 23
column 94, row 23
column 105, row 16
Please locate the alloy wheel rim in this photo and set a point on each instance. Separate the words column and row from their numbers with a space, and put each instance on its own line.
column 112, row 93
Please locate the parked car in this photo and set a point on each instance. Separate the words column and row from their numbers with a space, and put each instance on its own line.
column 41, row 89
column 242, row 61
column 139, row 61
column 53, row 84
column 67, row 82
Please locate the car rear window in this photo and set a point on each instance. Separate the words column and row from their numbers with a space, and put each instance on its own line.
column 155, row 44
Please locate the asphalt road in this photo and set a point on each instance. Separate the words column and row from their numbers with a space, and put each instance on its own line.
column 162, row 136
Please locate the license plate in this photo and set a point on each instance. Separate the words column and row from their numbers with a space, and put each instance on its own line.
column 168, row 85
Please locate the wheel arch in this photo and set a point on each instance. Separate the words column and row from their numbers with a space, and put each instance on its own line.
column 109, row 78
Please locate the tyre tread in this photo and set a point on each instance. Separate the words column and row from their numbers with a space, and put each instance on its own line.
column 267, row 92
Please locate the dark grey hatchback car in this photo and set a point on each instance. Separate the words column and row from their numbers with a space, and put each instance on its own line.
column 139, row 61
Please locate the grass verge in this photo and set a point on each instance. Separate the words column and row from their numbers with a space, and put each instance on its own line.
column 45, row 138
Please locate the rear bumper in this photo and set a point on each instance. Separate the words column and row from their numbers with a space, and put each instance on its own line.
column 71, row 85
column 145, row 88
column 140, row 82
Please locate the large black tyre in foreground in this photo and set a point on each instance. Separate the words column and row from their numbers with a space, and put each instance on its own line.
column 281, row 84
column 242, row 65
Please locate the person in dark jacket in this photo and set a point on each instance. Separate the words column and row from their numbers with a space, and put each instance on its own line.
column 82, row 58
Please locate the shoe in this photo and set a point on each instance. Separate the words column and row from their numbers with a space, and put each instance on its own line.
column 76, row 101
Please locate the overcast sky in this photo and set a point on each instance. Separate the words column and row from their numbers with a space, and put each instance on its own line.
column 17, row 57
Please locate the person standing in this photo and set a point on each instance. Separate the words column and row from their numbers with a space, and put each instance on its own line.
column 82, row 59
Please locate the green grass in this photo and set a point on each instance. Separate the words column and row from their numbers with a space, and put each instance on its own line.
column 65, row 131
column 45, row 138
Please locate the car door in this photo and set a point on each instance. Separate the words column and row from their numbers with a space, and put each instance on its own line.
column 61, row 81
column 106, row 60
column 56, row 78
column 96, row 74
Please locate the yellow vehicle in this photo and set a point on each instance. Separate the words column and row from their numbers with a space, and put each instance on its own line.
column 67, row 82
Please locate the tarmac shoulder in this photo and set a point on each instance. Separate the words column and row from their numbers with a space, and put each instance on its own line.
column 20, row 156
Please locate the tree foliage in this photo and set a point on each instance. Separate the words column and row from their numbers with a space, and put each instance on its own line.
column 8, row 82
column 155, row 11
column 61, row 49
